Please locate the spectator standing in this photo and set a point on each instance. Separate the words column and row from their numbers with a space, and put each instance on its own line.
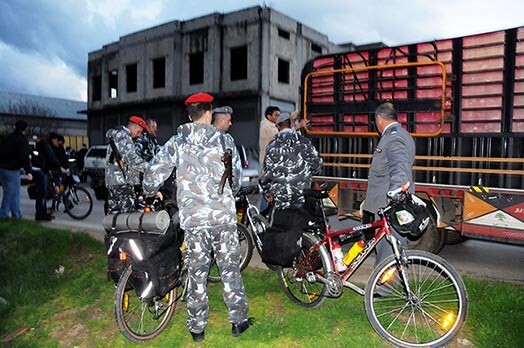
column 268, row 130
column 121, row 181
column 207, row 216
column 45, row 163
column 14, row 154
column 391, row 167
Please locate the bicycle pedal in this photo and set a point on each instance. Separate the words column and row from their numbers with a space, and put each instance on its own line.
column 310, row 277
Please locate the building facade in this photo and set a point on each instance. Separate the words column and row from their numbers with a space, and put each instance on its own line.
column 248, row 59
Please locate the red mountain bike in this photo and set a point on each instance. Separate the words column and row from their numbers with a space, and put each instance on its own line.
column 412, row 298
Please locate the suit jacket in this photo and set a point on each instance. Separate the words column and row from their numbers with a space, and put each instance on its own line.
column 392, row 166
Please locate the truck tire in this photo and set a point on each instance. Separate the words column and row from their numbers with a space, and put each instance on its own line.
column 433, row 240
column 455, row 238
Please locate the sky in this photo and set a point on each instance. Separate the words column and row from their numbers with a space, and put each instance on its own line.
column 44, row 44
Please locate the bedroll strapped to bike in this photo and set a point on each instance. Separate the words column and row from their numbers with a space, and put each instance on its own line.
column 154, row 252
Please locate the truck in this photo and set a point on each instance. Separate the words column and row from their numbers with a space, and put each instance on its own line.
column 462, row 100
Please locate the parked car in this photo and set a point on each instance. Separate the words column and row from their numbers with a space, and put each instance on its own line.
column 249, row 165
column 95, row 161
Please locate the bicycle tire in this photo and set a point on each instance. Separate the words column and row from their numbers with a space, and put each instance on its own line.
column 431, row 315
column 134, row 317
column 299, row 290
column 246, row 253
column 78, row 203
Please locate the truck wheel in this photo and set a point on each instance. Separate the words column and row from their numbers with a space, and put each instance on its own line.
column 433, row 240
column 455, row 238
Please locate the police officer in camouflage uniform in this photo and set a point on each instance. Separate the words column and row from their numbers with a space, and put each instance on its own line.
column 208, row 217
column 291, row 160
column 146, row 144
column 121, row 182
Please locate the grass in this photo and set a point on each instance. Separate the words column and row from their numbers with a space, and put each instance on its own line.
column 76, row 307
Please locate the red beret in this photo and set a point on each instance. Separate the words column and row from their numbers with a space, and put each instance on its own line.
column 199, row 98
column 139, row 121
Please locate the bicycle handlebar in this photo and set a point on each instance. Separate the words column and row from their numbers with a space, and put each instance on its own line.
column 394, row 193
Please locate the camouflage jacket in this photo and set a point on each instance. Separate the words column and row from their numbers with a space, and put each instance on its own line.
column 196, row 153
column 146, row 146
column 291, row 160
column 133, row 163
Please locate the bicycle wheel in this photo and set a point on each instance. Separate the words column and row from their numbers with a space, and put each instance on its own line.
column 139, row 320
column 430, row 315
column 246, row 252
column 78, row 203
column 300, row 282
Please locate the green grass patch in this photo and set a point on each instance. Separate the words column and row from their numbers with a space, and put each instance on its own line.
column 75, row 308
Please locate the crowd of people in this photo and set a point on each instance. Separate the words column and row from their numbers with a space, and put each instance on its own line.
column 192, row 161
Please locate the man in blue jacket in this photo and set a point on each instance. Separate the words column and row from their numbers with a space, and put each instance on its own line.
column 14, row 154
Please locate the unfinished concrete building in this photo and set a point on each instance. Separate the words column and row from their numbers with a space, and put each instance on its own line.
column 248, row 59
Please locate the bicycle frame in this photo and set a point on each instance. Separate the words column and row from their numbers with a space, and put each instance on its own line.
column 382, row 230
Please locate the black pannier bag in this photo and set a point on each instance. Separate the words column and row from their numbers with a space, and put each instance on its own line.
column 156, row 259
column 283, row 240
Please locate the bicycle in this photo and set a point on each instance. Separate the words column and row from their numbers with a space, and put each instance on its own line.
column 77, row 200
column 412, row 298
column 140, row 311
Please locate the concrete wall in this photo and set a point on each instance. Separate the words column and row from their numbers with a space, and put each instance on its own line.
column 214, row 35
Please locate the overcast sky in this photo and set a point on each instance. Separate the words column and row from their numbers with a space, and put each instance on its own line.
column 44, row 43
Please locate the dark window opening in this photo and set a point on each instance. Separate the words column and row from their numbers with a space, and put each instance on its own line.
column 159, row 72
column 316, row 48
column 131, row 75
column 113, row 84
column 283, row 34
column 196, row 68
column 97, row 87
column 239, row 63
column 283, row 71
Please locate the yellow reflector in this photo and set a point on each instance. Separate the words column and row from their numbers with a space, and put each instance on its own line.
column 125, row 304
column 123, row 256
column 166, row 298
column 387, row 275
column 312, row 296
column 448, row 321
column 87, row 199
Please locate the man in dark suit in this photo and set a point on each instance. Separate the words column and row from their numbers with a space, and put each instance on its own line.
column 392, row 166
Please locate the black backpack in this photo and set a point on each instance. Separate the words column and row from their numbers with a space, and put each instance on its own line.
column 283, row 240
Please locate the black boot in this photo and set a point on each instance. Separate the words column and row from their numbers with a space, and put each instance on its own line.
column 237, row 329
column 198, row 337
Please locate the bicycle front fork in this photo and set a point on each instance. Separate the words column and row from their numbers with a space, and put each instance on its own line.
column 402, row 262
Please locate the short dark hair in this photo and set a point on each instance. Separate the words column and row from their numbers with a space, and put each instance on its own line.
column 197, row 110
column 53, row 135
column 386, row 111
column 270, row 110
column 20, row 125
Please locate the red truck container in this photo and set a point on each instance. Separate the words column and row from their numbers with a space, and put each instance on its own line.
column 462, row 99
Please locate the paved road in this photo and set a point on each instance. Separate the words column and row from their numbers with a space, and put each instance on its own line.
column 476, row 258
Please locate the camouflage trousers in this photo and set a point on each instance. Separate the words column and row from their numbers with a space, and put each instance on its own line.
column 223, row 242
column 121, row 199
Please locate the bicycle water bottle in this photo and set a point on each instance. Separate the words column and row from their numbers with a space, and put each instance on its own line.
column 354, row 251
column 338, row 256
